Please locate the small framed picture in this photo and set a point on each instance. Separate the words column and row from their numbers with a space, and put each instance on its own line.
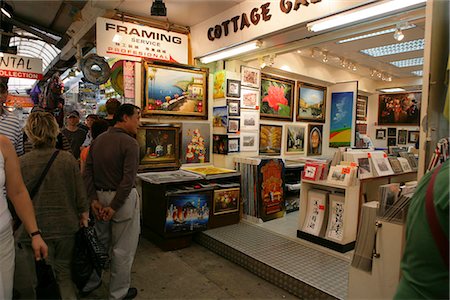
column 392, row 131
column 392, row 141
column 233, row 125
column 381, row 134
column 220, row 143
column 402, row 134
column 250, row 76
column 413, row 136
column 249, row 120
column 270, row 139
column 220, row 117
column 249, row 141
column 233, row 144
column 250, row 98
column 295, row 139
column 234, row 108
column 233, row 88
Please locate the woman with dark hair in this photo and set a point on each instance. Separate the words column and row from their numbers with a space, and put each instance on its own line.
column 98, row 127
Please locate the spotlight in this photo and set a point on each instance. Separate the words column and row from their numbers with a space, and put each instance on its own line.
column 158, row 8
column 6, row 9
column 398, row 35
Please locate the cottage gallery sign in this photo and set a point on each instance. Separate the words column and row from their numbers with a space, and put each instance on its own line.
column 20, row 66
column 252, row 19
column 132, row 42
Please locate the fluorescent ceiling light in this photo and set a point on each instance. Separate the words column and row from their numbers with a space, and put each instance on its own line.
column 361, row 13
column 6, row 13
column 395, row 48
column 231, row 52
column 418, row 72
column 369, row 35
column 412, row 62
column 392, row 90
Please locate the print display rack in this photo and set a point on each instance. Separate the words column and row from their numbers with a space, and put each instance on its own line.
column 177, row 204
column 344, row 214
column 263, row 187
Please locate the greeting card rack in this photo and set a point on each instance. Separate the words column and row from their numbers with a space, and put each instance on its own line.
column 350, row 215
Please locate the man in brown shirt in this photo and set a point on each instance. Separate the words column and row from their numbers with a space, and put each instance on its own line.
column 110, row 174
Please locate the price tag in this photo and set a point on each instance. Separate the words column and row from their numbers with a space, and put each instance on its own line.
column 353, row 164
column 369, row 155
column 345, row 170
column 257, row 107
column 322, row 207
column 384, row 155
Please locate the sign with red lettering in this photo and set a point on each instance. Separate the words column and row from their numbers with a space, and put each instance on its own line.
column 20, row 66
column 20, row 101
column 133, row 42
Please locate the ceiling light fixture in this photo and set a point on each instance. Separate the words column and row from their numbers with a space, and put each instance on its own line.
column 405, row 63
column 6, row 9
column 158, row 9
column 243, row 48
column 398, row 35
column 410, row 46
column 418, row 73
column 392, row 90
column 373, row 34
column 361, row 13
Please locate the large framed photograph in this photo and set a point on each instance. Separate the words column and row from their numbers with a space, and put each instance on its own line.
column 311, row 103
column 249, row 98
column 249, row 141
column 249, row 120
column 277, row 98
column 233, row 144
column 250, row 77
column 175, row 90
column 413, row 136
column 380, row 134
column 270, row 139
column 315, row 137
column 159, row 145
column 341, row 119
column 295, row 139
column 234, row 107
column 233, row 126
column 196, row 143
column 361, row 108
column 226, row 201
column 233, row 88
column 399, row 109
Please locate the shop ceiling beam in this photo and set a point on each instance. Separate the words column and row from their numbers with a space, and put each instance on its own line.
column 31, row 24
column 31, row 30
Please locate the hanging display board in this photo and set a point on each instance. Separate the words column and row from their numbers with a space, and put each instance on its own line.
column 132, row 42
column 20, row 66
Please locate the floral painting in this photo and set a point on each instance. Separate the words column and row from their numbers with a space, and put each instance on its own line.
column 175, row 90
column 399, row 109
column 277, row 98
column 226, row 201
column 219, row 84
column 195, row 143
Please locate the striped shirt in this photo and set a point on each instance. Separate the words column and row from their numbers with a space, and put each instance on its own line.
column 10, row 127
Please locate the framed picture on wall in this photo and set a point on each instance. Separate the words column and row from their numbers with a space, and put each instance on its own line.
column 361, row 108
column 402, row 108
column 233, row 144
column 277, row 98
column 220, row 143
column 341, row 119
column 401, row 138
column 392, row 132
column 311, row 102
column 315, row 137
column 270, row 139
column 249, row 98
column 380, row 134
column 196, row 141
column 249, row 120
column 233, row 125
column 392, row 141
column 220, row 116
column 295, row 139
column 168, row 87
column 250, row 77
column 233, row 88
column 219, row 84
column 413, row 136
column 249, row 141
column 234, row 108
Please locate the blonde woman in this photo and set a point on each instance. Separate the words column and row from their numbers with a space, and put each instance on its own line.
column 61, row 205
column 11, row 178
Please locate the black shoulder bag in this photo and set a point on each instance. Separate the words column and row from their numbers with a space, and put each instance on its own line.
column 16, row 221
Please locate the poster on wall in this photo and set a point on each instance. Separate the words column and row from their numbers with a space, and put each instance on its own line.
column 341, row 119
column 277, row 98
column 175, row 90
column 399, row 109
column 195, row 143
column 311, row 103
column 315, row 139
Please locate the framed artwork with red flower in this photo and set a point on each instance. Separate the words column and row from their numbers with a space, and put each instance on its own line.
column 277, row 98
column 311, row 103
column 175, row 90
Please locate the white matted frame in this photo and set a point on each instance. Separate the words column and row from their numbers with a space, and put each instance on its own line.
column 250, row 77
column 249, row 120
column 250, row 98
column 249, row 141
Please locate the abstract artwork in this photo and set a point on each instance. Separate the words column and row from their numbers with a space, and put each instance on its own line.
column 219, row 84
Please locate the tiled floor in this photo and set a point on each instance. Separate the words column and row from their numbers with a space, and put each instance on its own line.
column 275, row 244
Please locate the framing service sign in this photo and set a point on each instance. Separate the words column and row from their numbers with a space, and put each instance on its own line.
column 132, row 42
column 12, row 65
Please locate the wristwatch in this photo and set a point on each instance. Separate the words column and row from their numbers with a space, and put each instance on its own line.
column 37, row 232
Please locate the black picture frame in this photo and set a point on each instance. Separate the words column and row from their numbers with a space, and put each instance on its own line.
column 392, row 141
column 413, row 136
column 233, row 88
column 380, row 134
column 236, row 144
column 234, row 107
column 231, row 128
column 402, row 137
column 392, row 132
column 220, row 144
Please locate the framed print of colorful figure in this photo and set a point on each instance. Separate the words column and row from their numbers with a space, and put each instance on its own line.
column 295, row 139
column 277, row 98
column 233, row 88
column 399, row 109
column 250, row 77
column 219, row 84
column 175, row 90
column 234, row 107
column 226, row 201
column 315, row 139
column 270, row 139
column 311, row 103
column 341, row 119
column 195, row 143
